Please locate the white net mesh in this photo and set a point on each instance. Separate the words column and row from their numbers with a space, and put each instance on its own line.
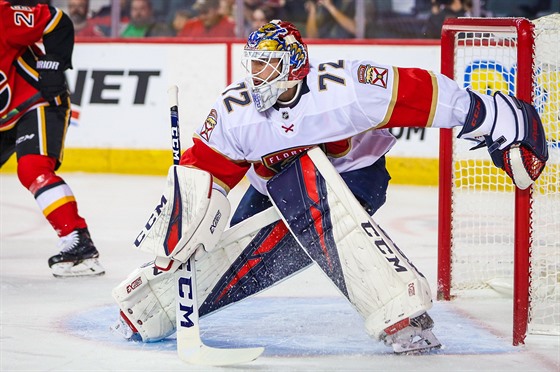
column 483, row 197
column 544, row 312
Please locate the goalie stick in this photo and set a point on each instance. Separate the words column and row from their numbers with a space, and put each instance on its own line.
column 190, row 347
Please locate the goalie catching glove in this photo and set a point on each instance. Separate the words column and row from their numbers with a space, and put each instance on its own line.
column 513, row 132
column 52, row 82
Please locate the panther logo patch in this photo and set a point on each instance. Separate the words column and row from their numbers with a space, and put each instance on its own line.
column 373, row 75
column 209, row 125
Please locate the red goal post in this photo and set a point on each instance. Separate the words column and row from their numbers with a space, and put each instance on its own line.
column 490, row 54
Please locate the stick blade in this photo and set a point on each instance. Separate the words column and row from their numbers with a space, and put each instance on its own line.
column 192, row 350
column 210, row 356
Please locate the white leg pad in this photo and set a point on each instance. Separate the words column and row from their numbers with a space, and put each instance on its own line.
column 211, row 266
column 408, row 304
column 382, row 284
column 189, row 214
column 374, row 274
column 147, row 299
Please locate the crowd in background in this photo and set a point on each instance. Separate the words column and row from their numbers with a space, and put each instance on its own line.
column 315, row 18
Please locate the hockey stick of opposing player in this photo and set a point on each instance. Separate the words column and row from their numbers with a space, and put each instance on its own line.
column 21, row 107
column 190, row 347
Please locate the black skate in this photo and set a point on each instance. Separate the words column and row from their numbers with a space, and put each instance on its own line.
column 412, row 335
column 78, row 256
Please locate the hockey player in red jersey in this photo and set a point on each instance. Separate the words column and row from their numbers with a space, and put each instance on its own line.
column 268, row 128
column 34, row 117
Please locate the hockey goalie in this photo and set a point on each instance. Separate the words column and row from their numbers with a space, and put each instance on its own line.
column 311, row 138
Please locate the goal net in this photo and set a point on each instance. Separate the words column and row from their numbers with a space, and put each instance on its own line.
column 492, row 235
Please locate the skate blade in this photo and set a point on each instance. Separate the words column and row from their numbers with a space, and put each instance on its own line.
column 121, row 329
column 419, row 345
column 88, row 267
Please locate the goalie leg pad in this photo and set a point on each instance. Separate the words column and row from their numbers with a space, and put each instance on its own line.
column 254, row 255
column 350, row 248
column 513, row 132
column 190, row 214
column 147, row 301
column 257, row 253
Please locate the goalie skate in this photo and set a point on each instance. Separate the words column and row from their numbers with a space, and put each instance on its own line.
column 412, row 336
column 124, row 328
column 78, row 256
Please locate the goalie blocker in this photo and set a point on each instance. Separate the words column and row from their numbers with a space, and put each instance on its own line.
column 190, row 215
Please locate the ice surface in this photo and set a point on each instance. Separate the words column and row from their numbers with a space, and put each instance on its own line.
column 49, row 324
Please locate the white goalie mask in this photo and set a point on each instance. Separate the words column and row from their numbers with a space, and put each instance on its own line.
column 275, row 59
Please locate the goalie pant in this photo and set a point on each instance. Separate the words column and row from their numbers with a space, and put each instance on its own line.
column 146, row 297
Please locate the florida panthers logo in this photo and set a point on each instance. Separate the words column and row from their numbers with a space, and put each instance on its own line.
column 277, row 161
column 298, row 55
column 209, row 125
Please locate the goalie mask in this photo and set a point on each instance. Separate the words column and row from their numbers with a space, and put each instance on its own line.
column 275, row 58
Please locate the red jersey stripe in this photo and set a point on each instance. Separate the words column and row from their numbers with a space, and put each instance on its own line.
column 408, row 108
column 338, row 149
column 227, row 173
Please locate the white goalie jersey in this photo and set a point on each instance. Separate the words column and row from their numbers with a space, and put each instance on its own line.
column 341, row 105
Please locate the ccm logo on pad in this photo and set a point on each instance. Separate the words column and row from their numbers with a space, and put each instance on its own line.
column 153, row 217
column 383, row 247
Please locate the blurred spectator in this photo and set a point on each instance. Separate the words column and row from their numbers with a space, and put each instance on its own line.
column 78, row 12
column 165, row 10
column 261, row 16
column 227, row 8
column 105, row 11
column 180, row 19
column 210, row 22
column 142, row 22
column 99, row 25
column 272, row 9
column 537, row 9
column 441, row 10
column 330, row 19
column 468, row 8
column 295, row 12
